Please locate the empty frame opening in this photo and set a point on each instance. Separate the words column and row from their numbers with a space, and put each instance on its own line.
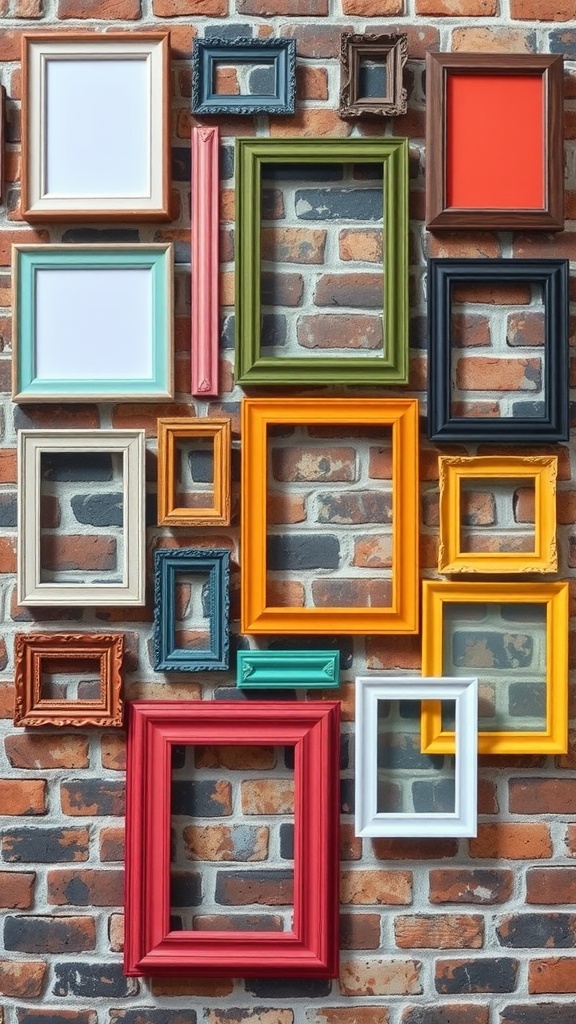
column 497, row 332
column 497, row 515
column 70, row 679
column 194, row 473
column 505, row 646
column 255, row 77
column 232, row 823
column 329, row 517
column 410, row 782
column 373, row 78
column 495, row 141
column 82, row 517
column 322, row 242
column 193, row 611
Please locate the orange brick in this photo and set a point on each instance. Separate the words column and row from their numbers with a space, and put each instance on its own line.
column 512, row 841
column 268, row 796
column 491, row 40
column 439, row 931
column 458, row 8
column 557, row 974
column 107, row 10
column 310, row 121
column 543, row 10
column 372, row 8
column 370, row 887
column 380, row 977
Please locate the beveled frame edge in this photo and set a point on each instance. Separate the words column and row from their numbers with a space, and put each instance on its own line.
column 551, row 740
column 271, row 669
column 453, row 469
column 311, row 950
column 205, row 313
column 170, row 429
column 368, row 821
column 393, row 47
column 31, row 648
column 22, row 397
column 163, row 212
column 553, row 274
column 206, row 102
column 31, row 592
column 438, row 217
column 167, row 562
column 401, row 414
column 250, row 367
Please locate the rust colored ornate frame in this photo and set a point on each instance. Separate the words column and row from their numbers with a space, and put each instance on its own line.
column 205, row 257
column 170, row 431
column 310, row 950
column 439, row 67
column 392, row 51
column 32, row 649
column 401, row 415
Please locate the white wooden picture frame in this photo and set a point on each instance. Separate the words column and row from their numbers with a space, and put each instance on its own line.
column 32, row 589
column 87, row 96
column 463, row 820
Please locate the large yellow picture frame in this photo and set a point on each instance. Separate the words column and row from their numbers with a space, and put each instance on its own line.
column 399, row 414
column 454, row 470
column 553, row 738
column 174, row 429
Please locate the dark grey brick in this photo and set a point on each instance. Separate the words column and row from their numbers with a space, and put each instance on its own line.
column 201, row 465
column 398, row 750
column 239, row 30
column 227, row 332
column 226, row 162
column 539, row 1013
column 531, row 410
column 562, row 40
column 88, row 980
column 185, row 889
column 287, row 988
column 8, row 509
column 302, row 172
column 148, row 1015
column 494, row 974
column 287, row 841
column 347, row 796
column 303, row 551
column 34, row 934
column 355, row 507
column 104, row 235
column 261, row 81
column 273, row 330
column 492, row 650
column 99, row 509
column 196, row 799
column 181, row 163
column 533, row 931
column 362, row 204
column 44, row 845
column 434, row 797
column 75, row 467
column 281, row 289
column 527, row 700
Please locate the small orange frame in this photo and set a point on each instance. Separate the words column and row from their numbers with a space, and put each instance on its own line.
column 31, row 649
column 169, row 432
column 542, row 469
column 401, row 414
column 553, row 738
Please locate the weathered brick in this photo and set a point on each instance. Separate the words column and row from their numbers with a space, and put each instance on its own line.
column 78, row 551
column 543, row 10
column 542, row 796
column 56, row 1016
column 374, row 887
column 360, row 931
column 364, row 246
column 338, row 593
column 293, row 245
column 489, row 373
column 29, row 934
column 446, row 1013
column 195, row 8
column 45, row 845
column 113, row 752
column 221, row 842
column 281, row 289
column 311, row 465
column 22, row 979
column 267, row 796
column 90, row 980
column 86, row 888
column 351, row 1015
column 462, row 885
column 528, row 931
column 311, row 83
column 260, row 1015
column 203, row 798
column 111, row 844
column 439, row 931
column 23, row 796
column 354, row 507
column 237, row 758
column 490, row 974
column 47, row 751
column 554, row 974
column 17, row 889
column 373, row 552
column 239, row 922
column 92, row 797
column 551, row 885
column 109, row 10
column 493, row 40
column 458, row 8
column 340, row 330
column 380, row 977
column 274, row 887
column 362, row 291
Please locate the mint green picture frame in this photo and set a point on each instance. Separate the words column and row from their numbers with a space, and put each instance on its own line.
column 287, row 670
column 123, row 299
column 391, row 367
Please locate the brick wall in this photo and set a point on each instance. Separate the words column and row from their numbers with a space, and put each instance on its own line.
column 433, row 932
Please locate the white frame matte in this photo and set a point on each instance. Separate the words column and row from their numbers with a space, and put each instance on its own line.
column 90, row 120
column 31, row 445
column 463, row 821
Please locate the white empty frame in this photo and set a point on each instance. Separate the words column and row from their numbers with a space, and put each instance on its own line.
column 128, row 579
column 95, row 132
column 373, row 695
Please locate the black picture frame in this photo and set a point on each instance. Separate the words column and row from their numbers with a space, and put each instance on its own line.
column 552, row 275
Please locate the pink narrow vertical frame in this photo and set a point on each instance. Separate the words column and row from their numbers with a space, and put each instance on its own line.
column 205, row 261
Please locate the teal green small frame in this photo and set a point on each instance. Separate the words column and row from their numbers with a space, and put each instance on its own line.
column 288, row 670
column 251, row 367
column 28, row 260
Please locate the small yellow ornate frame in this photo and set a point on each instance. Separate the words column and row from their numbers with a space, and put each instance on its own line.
column 553, row 737
column 401, row 415
column 170, row 431
column 453, row 470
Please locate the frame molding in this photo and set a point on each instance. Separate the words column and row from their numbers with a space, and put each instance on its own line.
column 439, row 66
column 401, row 414
column 152, row 47
column 251, row 366
column 287, row 670
column 311, row 948
column 553, row 276
column 205, row 272
column 279, row 53
column 454, row 469
column 553, row 739
column 392, row 50
column 27, row 260
column 31, row 590
column 170, row 430
column 369, row 821
column 31, row 709
column 168, row 564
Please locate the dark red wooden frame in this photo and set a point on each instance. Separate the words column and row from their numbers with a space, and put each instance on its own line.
column 311, row 949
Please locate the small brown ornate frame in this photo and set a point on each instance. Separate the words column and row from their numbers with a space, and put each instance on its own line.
column 31, row 649
column 392, row 51
column 169, row 432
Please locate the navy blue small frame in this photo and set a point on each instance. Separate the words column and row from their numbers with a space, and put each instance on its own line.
column 168, row 564
column 279, row 53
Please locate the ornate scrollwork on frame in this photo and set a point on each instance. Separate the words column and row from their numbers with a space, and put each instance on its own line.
column 275, row 58
column 362, row 54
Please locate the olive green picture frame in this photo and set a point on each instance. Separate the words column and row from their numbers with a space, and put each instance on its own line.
column 391, row 367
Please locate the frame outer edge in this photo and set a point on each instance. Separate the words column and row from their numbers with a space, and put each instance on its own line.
column 205, row 261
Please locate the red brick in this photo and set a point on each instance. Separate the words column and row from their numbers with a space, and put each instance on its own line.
column 47, row 751
column 111, row 844
column 414, row 849
column 351, row 1015
column 405, row 652
column 267, row 796
column 470, row 331
column 458, row 8
column 491, row 40
column 311, row 83
column 439, row 931
column 187, row 8
column 462, row 885
column 376, row 887
column 285, row 508
column 551, row 885
column 8, row 466
column 317, row 41
column 340, row 330
column 311, row 465
column 22, row 979
column 512, row 841
column 372, row 8
column 543, row 10
column 7, row 555
column 78, row 551
column 284, row 8
column 360, row 931
column 293, row 245
column 28, row 9
column 225, row 843
column 86, row 887
column 542, row 796
column 23, row 796
column 17, row 889
column 464, row 245
column 556, row 974
column 356, row 290
column 380, row 977
column 488, row 373
column 106, row 10
column 113, row 754
column 210, row 988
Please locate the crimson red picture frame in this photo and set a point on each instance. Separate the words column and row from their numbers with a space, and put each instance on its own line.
column 310, row 950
